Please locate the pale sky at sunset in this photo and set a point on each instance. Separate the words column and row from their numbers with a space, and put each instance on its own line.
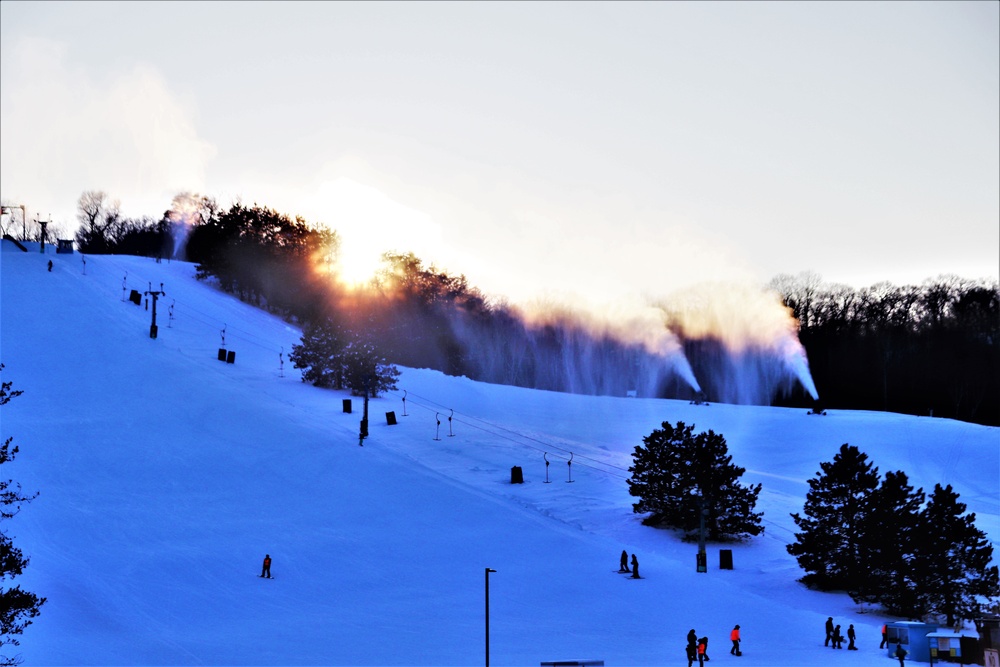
column 603, row 149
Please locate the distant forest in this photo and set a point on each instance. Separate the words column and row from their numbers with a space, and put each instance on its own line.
column 929, row 349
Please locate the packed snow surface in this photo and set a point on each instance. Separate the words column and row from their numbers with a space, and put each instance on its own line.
column 166, row 475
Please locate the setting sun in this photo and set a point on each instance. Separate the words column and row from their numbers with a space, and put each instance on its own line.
column 369, row 224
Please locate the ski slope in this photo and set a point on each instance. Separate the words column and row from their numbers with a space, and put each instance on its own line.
column 166, row 475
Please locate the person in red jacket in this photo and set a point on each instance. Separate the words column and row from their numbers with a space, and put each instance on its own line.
column 735, row 636
column 266, row 570
column 702, row 647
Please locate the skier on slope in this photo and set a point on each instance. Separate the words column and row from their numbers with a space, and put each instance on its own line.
column 265, row 571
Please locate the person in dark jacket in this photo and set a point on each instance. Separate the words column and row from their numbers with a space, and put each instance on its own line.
column 692, row 653
column 266, row 569
column 838, row 638
column 851, row 636
column 623, row 567
column 829, row 631
column 900, row 653
column 635, row 567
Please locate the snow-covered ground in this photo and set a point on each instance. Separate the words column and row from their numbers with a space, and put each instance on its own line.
column 166, row 475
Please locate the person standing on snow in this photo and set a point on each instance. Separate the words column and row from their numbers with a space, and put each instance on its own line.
column 702, row 647
column 735, row 636
column 692, row 653
column 851, row 636
column 635, row 567
column 838, row 638
column 265, row 571
column 900, row 653
column 624, row 562
column 882, row 645
column 829, row 631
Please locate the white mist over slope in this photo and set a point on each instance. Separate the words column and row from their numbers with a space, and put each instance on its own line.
column 166, row 475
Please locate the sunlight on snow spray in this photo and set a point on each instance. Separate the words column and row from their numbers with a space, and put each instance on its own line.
column 751, row 338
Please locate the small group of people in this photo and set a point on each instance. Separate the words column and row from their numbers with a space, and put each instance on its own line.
column 697, row 647
column 836, row 640
column 623, row 566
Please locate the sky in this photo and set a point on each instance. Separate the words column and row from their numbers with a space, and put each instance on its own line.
column 598, row 151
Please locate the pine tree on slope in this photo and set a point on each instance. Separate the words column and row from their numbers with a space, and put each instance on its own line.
column 677, row 470
column 952, row 566
column 829, row 544
column 890, row 530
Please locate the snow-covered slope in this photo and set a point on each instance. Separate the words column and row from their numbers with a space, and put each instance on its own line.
column 166, row 475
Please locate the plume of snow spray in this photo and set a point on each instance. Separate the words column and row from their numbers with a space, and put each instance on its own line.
column 187, row 210
column 558, row 347
column 747, row 341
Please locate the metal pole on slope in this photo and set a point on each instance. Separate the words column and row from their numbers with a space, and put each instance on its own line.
column 488, row 570
column 155, row 294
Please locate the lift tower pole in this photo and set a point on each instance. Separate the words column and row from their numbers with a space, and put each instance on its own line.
column 155, row 295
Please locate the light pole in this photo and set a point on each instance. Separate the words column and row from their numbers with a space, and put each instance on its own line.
column 702, row 558
column 488, row 570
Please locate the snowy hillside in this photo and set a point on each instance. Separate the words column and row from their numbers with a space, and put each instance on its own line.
column 166, row 475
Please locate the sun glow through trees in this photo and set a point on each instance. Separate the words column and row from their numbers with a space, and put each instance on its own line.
column 370, row 223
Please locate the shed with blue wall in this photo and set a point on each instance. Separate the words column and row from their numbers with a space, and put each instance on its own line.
column 912, row 636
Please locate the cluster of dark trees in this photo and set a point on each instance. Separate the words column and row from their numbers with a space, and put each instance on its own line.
column 17, row 606
column 682, row 478
column 104, row 230
column 266, row 258
column 922, row 349
column 885, row 542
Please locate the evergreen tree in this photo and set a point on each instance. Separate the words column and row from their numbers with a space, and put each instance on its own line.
column 952, row 569
column 17, row 606
column 320, row 354
column 828, row 546
column 366, row 370
column 336, row 357
column 890, row 531
column 676, row 471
